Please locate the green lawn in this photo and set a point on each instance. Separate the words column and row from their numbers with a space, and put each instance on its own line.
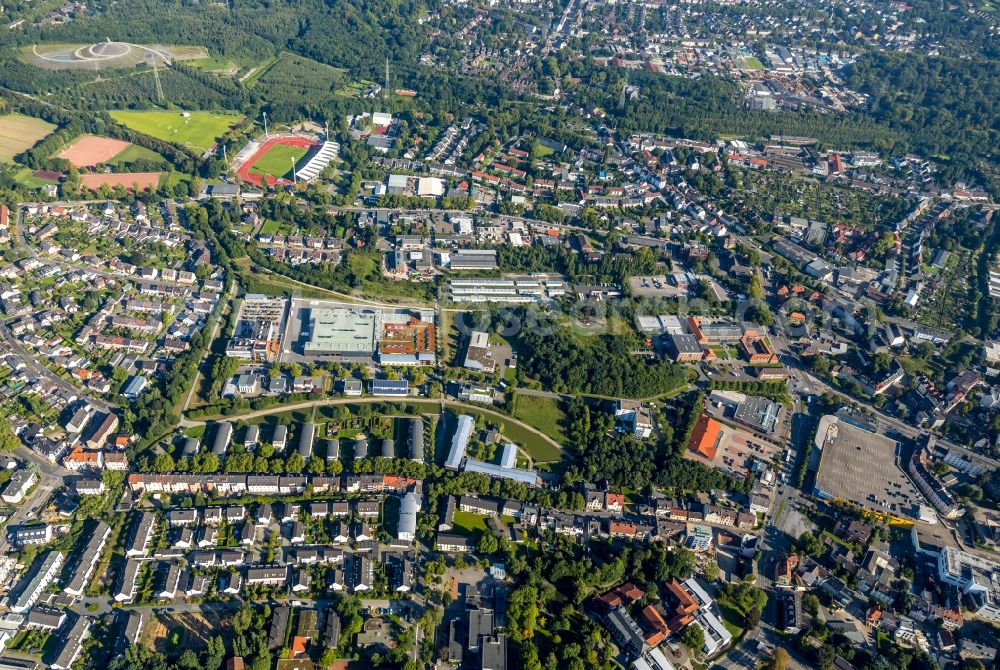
column 133, row 153
column 26, row 177
column 732, row 618
column 754, row 63
column 270, row 227
column 197, row 130
column 277, row 162
column 468, row 523
column 27, row 640
column 545, row 414
column 210, row 63
column 544, row 152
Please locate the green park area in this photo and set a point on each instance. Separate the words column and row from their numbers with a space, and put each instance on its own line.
column 196, row 130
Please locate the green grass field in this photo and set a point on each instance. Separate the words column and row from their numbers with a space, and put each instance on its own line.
column 211, row 63
column 468, row 523
column 134, row 152
column 270, row 227
column 277, row 162
column 544, row 152
column 754, row 63
column 197, row 130
column 19, row 133
column 26, row 177
column 545, row 414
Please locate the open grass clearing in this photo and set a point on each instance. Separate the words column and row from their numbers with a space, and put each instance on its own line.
column 468, row 523
column 545, row 414
column 28, row 178
column 196, row 130
column 540, row 450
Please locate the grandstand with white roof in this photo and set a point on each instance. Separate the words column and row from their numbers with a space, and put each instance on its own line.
column 327, row 152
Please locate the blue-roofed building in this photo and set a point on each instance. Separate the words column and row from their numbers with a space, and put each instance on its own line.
column 391, row 387
column 508, row 458
column 459, row 442
column 527, row 477
column 135, row 387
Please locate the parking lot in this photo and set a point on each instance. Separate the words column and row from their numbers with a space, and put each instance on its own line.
column 861, row 467
column 656, row 286
column 737, row 449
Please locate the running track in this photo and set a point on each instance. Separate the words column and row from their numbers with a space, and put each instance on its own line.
column 259, row 179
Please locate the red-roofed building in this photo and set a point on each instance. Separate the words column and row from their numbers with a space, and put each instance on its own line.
column 624, row 595
column 614, row 501
column 836, row 164
column 4, row 216
column 686, row 604
column 654, row 626
column 298, row 647
column 705, row 437
column 784, row 569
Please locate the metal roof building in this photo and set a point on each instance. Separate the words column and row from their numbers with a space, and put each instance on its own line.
column 459, row 442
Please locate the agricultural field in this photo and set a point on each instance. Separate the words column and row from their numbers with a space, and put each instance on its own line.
column 19, row 133
column 91, row 150
column 196, row 130
column 277, row 162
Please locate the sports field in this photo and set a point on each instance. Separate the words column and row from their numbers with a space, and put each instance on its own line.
column 90, row 150
column 197, row 130
column 144, row 180
column 277, row 162
column 19, row 133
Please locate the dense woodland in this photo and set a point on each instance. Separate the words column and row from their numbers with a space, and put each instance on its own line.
column 947, row 107
column 568, row 362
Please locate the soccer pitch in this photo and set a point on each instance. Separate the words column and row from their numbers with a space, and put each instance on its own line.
column 197, row 130
column 277, row 162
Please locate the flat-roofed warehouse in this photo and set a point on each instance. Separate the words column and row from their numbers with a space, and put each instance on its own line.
column 398, row 338
column 759, row 413
column 859, row 466
column 342, row 331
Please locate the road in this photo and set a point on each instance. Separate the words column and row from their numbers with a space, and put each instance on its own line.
column 782, row 347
